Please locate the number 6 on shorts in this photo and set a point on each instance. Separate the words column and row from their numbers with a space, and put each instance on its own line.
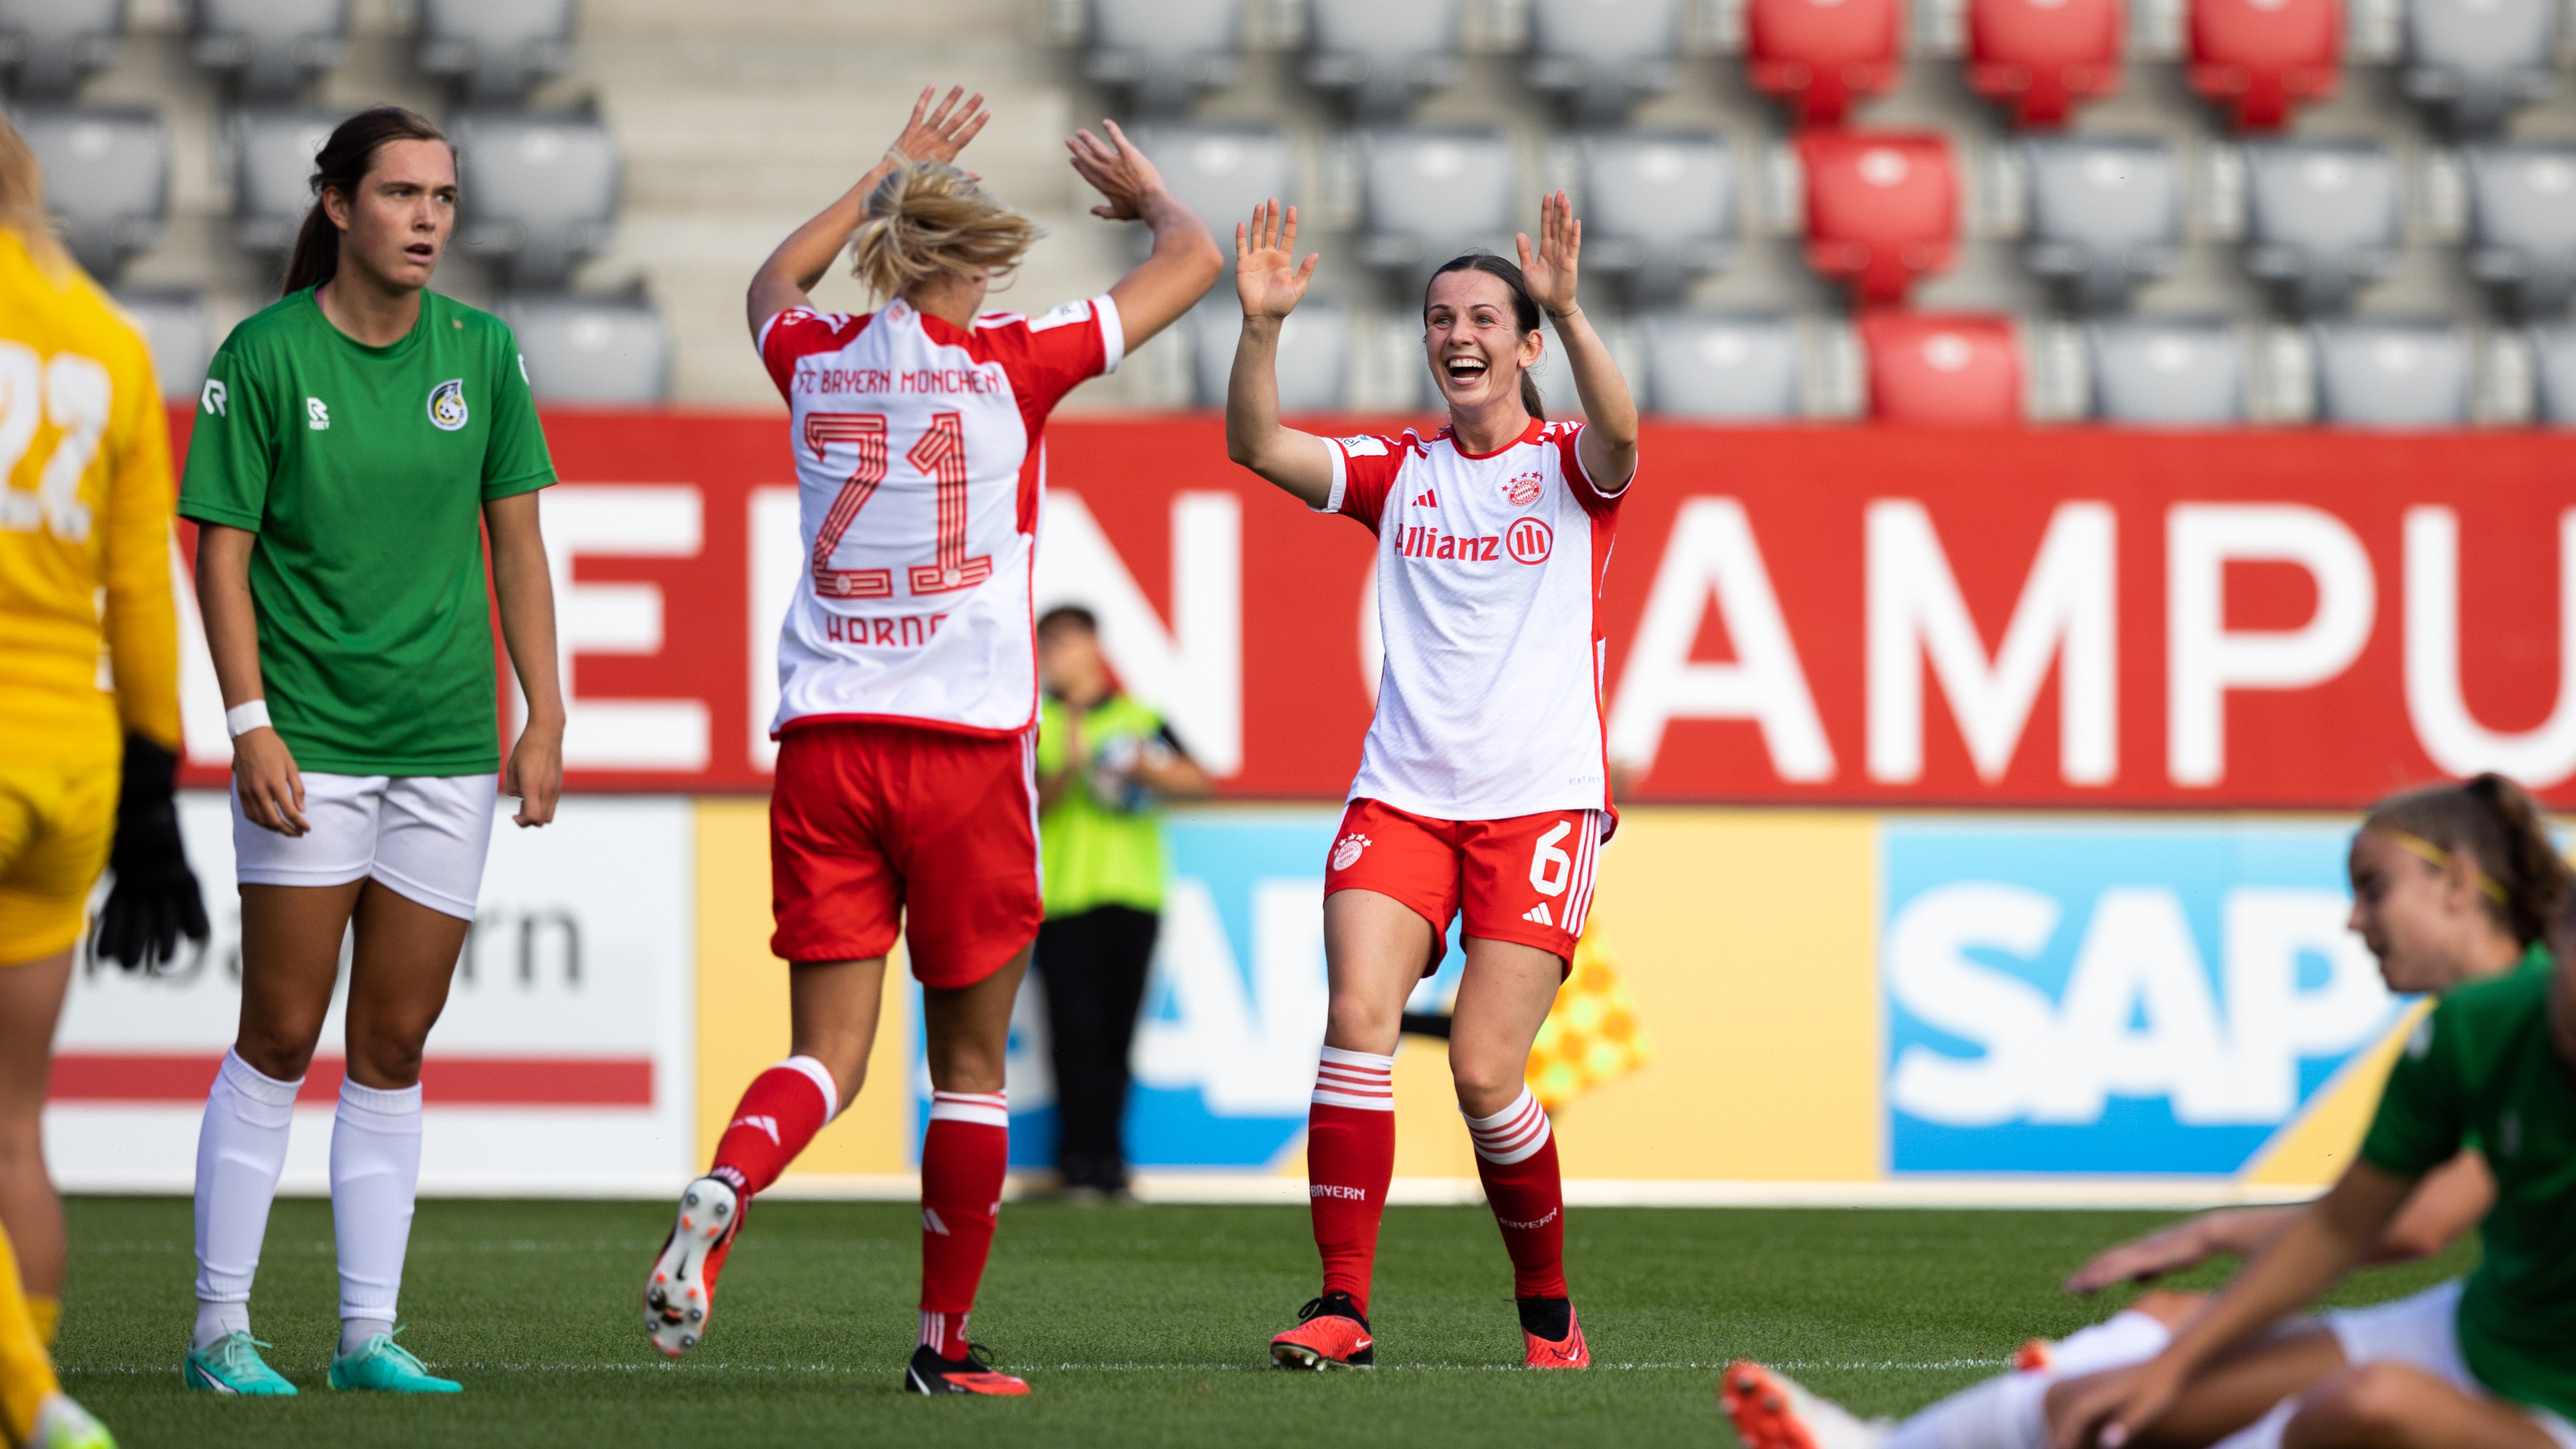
column 1551, row 868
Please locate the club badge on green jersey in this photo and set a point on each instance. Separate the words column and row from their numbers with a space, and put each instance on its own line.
column 447, row 404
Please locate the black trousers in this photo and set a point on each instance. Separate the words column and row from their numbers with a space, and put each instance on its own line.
column 1094, row 964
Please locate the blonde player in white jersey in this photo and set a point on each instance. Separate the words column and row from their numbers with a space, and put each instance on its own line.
column 906, row 796
column 1483, row 784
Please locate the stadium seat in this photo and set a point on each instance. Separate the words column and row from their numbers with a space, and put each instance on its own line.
column 2168, row 373
column 269, row 47
column 1822, row 55
column 175, row 326
column 273, row 155
column 1882, row 207
column 1382, row 55
column 1604, row 55
column 107, row 176
column 1719, row 367
column 2259, row 58
column 1314, row 353
column 2042, row 57
column 2553, row 357
column 2105, row 215
column 1953, row 370
column 1221, row 172
column 1164, row 52
column 1428, row 195
column 2470, row 62
column 1658, row 207
column 603, row 351
column 2522, row 222
column 2384, row 374
column 48, row 47
column 495, row 50
column 2321, row 218
column 540, row 192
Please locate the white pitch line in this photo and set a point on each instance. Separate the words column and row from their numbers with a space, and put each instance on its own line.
column 835, row 1370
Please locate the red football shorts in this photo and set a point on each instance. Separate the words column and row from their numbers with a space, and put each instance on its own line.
column 880, row 828
column 1527, row 879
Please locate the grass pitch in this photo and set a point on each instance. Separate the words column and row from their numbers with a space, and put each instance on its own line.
column 1135, row 1326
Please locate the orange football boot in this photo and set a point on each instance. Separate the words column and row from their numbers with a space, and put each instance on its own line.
column 1331, row 1333
column 928, row 1373
column 1770, row 1412
column 1566, row 1350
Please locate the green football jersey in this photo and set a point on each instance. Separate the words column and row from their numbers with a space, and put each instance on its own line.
column 364, row 471
column 2482, row 1064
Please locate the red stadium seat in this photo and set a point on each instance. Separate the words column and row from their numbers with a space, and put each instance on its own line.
column 1821, row 55
column 1882, row 208
column 1951, row 370
column 2041, row 57
column 2258, row 57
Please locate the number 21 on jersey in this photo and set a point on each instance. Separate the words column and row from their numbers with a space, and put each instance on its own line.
column 940, row 454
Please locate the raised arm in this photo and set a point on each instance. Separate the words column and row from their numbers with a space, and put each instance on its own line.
column 800, row 261
column 1184, row 262
column 1269, row 283
column 1609, row 444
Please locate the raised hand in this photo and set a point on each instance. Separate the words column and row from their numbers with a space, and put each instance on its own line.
column 939, row 135
column 1551, row 271
column 2169, row 1251
column 1266, row 275
column 1116, row 169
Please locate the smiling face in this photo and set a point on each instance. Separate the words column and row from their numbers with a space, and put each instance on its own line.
column 1474, row 342
column 397, row 226
column 2429, row 926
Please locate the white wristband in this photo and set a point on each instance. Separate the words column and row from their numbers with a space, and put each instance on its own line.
column 243, row 718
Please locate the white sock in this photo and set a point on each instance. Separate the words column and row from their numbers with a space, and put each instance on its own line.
column 355, row 1332
column 2265, row 1432
column 375, row 1174
column 2005, row 1412
column 2126, row 1337
column 241, row 1148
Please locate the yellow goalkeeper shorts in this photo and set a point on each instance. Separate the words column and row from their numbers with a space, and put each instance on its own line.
column 56, row 824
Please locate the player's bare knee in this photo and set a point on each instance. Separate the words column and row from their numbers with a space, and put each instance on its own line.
column 2169, row 1306
column 1361, row 1026
column 1486, row 1082
column 278, row 1050
column 2368, row 1402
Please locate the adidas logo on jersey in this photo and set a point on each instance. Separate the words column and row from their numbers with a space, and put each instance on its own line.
column 1538, row 913
column 1430, row 499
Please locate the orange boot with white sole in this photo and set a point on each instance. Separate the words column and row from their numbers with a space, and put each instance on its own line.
column 1772, row 1412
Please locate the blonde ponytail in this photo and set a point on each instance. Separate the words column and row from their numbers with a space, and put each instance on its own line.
column 926, row 218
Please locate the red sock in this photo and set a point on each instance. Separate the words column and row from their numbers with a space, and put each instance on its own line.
column 1350, row 1157
column 963, row 1156
column 944, row 1333
column 1516, row 1156
column 779, row 1113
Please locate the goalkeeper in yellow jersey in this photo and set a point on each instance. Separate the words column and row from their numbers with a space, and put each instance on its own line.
column 89, row 724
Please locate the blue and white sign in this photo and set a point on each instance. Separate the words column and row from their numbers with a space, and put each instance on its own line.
column 2113, row 997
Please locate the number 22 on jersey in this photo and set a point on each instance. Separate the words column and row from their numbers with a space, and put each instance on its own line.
column 72, row 392
column 940, row 454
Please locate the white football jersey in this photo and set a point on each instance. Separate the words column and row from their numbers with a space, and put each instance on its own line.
column 1489, row 575
column 920, row 457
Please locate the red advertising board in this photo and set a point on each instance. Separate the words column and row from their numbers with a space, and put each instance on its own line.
column 1886, row 616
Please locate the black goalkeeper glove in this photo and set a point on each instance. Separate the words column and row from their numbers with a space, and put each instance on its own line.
column 154, row 899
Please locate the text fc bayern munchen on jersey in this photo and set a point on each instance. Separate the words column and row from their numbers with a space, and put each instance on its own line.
column 919, row 464
column 1489, row 573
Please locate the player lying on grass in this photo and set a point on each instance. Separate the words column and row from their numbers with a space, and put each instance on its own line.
column 2452, row 886
column 1481, row 783
column 906, row 795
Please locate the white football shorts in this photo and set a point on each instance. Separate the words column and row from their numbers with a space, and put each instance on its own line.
column 423, row 836
column 2423, row 1332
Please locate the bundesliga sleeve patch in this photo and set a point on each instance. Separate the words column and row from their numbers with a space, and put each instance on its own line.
column 1070, row 312
column 1364, row 447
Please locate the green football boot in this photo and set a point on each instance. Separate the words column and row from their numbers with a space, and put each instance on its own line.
column 387, row 1367
column 62, row 1424
column 232, row 1365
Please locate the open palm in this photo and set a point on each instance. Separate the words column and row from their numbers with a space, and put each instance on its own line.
column 1550, row 272
column 1266, row 275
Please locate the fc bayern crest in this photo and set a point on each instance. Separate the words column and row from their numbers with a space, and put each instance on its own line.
column 1523, row 490
column 447, row 405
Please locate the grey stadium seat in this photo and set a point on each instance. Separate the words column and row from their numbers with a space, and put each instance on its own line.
column 2105, row 215
column 2522, row 222
column 47, row 47
column 1658, row 207
column 2168, row 373
column 604, row 351
column 1428, row 195
column 182, row 338
column 1221, row 172
column 2553, row 356
column 2387, row 374
column 273, row 155
column 107, row 176
column 1164, row 52
column 539, row 192
column 1382, row 54
column 1604, row 55
column 2321, row 218
column 495, row 49
column 1721, row 367
column 1314, row 353
column 270, row 46
column 2470, row 62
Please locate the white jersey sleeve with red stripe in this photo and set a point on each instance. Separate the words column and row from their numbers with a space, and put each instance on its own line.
column 1489, row 572
column 920, row 457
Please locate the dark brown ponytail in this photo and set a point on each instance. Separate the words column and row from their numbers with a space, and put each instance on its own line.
column 2500, row 828
column 341, row 166
column 1524, row 309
